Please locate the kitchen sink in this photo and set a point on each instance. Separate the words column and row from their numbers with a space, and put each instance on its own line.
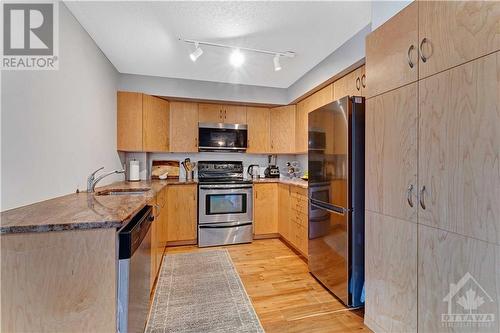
column 128, row 191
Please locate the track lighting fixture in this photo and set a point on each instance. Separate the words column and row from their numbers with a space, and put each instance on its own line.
column 276, row 62
column 196, row 53
column 237, row 58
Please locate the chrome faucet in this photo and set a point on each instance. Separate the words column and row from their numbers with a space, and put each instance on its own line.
column 92, row 181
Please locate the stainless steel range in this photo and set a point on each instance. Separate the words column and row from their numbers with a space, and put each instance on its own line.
column 225, row 205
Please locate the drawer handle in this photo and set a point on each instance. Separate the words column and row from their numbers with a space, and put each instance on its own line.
column 422, row 56
column 410, row 49
column 409, row 196
column 422, row 199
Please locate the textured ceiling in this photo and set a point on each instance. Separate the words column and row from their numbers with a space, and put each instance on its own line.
column 142, row 37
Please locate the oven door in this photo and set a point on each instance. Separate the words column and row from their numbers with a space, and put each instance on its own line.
column 225, row 203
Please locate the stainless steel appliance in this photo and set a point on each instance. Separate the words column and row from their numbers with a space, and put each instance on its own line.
column 225, row 204
column 336, row 199
column 272, row 170
column 222, row 137
column 253, row 171
column 134, row 272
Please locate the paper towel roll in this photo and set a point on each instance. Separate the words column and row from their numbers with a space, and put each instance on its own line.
column 133, row 171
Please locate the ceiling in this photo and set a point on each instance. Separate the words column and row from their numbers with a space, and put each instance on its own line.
column 142, row 37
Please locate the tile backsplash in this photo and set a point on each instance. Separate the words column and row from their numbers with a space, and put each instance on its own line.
column 145, row 160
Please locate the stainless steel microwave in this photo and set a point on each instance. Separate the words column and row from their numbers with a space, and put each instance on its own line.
column 222, row 137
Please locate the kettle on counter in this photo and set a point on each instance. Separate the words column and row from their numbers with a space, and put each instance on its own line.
column 253, row 171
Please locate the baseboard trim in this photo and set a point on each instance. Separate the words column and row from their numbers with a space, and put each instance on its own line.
column 266, row 236
column 183, row 242
column 373, row 325
column 294, row 249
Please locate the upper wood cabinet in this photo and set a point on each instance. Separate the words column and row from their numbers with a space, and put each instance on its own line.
column 142, row 122
column 259, row 130
column 265, row 208
column 392, row 52
column 459, row 147
column 182, row 213
column 352, row 84
column 283, row 129
column 454, row 32
column 219, row 113
column 391, row 153
column 183, row 127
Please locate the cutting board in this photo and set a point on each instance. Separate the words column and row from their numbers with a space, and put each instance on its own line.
column 159, row 167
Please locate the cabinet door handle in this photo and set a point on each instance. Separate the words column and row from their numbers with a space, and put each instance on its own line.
column 422, row 56
column 422, row 199
column 410, row 49
column 409, row 195
column 363, row 81
column 358, row 83
column 225, row 114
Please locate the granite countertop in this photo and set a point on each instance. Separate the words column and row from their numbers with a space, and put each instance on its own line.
column 83, row 210
column 90, row 211
column 290, row 181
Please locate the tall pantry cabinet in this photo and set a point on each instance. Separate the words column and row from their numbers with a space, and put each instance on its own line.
column 432, row 163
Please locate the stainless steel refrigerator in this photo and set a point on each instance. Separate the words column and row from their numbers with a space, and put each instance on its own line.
column 336, row 197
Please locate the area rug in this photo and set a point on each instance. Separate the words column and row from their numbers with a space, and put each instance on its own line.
column 201, row 292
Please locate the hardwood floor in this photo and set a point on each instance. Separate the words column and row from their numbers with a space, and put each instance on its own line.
column 285, row 296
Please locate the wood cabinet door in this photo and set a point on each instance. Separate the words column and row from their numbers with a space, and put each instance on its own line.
column 265, row 213
column 283, row 129
column 154, row 244
column 456, row 32
column 210, row 113
column 259, row 131
column 235, row 114
column 129, row 121
column 182, row 213
column 459, row 149
column 163, row 220
column 301, row 129
column 155, row 117
column 284, row 211
column 391, row 153
column 387, row 49
column 183, row 127
column 348, row 85
column 391, row 273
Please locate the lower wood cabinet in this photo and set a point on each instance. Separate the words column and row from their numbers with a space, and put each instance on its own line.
column 265, row 209
column 293, row 216
column 182, row 214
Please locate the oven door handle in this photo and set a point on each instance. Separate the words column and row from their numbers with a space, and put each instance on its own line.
column 208, row 226
column 224, row 187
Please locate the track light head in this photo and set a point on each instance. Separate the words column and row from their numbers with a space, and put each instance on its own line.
column 196, row 53
column 237, row 58
column 276, row 62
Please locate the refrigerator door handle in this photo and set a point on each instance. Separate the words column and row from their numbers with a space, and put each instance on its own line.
column 329, row 208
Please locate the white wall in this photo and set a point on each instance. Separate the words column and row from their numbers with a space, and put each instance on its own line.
column 384, row 10
column 57, row 126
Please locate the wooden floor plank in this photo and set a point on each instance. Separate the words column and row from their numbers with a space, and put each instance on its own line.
column 285, row 296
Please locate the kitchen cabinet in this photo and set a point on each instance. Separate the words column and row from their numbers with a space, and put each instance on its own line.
column 352, row 84
column 391, row 153
column 182, row 214
column 459, row 145
column 265, row 209
column 154, row 244
column 454, row 32
column 392, row 52
column 283, row 130
column 284, row 210
column 293, row 217
column 259, row 130
column 163, row 217
column 142, row 122
column 220, row 113
column 183, row 127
